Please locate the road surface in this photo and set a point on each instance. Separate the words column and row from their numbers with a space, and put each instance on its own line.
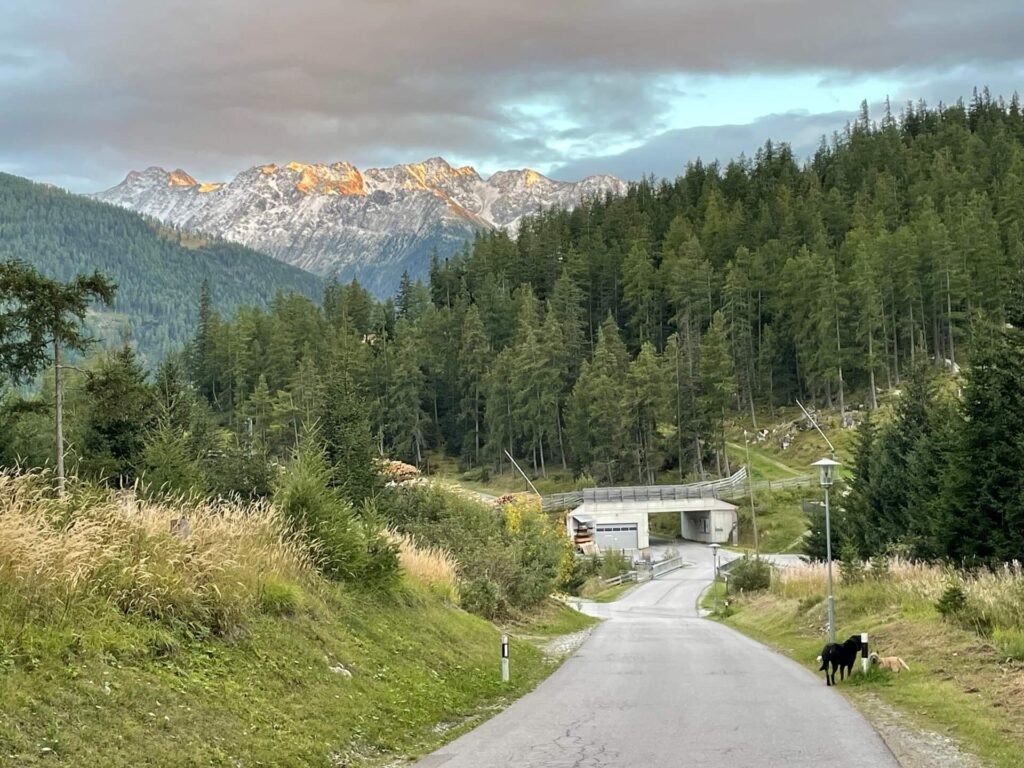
column 658, row 687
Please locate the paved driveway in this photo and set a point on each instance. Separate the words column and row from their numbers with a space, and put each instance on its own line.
column 657, row 687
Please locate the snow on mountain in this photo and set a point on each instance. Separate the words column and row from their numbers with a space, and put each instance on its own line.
column 337, row 220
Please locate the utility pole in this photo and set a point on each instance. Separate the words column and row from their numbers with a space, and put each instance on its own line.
column 750, row 487
column 527, row 479
column 58, row 381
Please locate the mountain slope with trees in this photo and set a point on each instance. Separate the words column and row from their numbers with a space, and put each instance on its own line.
column 158, row 272
column 618, row 340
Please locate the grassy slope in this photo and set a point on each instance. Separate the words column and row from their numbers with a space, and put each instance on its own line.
column 119, row 692
column 960, row 685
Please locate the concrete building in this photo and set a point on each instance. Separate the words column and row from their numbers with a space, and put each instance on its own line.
column 619, row 518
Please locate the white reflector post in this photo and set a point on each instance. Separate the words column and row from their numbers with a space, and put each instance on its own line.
column 864, row 652
column 504, row 658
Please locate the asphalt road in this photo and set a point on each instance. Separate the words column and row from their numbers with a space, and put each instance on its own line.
column 658, row 687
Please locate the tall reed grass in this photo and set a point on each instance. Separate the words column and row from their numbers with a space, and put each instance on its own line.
column 433, row 567
column 98, row 547
column 995, row 599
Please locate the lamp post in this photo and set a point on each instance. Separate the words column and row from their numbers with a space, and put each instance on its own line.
column 750, row 487
column 827, row 468
column 714, row 582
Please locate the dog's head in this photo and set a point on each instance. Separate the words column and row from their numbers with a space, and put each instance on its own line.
column 873, row 658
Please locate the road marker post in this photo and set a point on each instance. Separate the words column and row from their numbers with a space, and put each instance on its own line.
column 864, row 658
column 504, row 658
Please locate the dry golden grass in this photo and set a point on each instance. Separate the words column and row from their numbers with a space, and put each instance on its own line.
column 115, row 547
column 996, row 598
column 431, row 566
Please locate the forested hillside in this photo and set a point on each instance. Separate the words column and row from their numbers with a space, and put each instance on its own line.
column 616, row 338
column 159, row 273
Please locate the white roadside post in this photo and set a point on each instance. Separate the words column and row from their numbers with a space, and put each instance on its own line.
column 714, row 583
column 828, row 468
column 504, row 658
column 864, row 652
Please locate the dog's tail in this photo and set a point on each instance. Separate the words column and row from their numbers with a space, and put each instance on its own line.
column 904, row 665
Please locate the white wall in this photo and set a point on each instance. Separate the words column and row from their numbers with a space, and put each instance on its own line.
column 719, row 525
column 720, row 514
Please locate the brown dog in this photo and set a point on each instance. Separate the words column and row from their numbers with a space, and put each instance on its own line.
column 892, row 663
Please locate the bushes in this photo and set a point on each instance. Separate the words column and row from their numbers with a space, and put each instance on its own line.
column 613, row 564
column 750, row 574
column 347, row 546
column 507, row 559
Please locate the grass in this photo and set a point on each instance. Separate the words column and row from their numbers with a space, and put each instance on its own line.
column 781, row 520
column 550, row 620
column 717, row 590
column 123, row 644
column 962, row 684
column 611, row 594
column 432, row 566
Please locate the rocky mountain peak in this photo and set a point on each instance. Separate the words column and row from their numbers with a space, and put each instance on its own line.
column 335, row 219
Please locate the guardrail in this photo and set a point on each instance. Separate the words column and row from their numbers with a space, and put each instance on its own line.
column 666, row 566
column 726, row 488
column 622, row 578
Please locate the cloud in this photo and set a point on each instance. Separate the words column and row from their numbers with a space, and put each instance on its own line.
column 91, row 87
column 666, row 155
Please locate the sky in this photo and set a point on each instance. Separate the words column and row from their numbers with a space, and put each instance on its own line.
column 90, row 89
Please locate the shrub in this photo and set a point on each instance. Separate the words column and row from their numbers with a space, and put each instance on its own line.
column 879, row 568
column 751, row 574
column 348, row 546
column 480, row 596
column 575, row 571
column 510, row 558
column 851, row 566
column 614, row 564
column 953, row 601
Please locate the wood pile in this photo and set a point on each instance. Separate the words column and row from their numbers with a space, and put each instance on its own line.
column 399, row 471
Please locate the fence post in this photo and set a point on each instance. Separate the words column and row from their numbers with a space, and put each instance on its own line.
column 864, row 652
column 504, row 658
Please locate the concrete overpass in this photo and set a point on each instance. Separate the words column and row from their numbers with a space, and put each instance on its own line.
column 619, row 518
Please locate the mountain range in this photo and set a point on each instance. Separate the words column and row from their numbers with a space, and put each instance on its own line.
column 159, row 271
column 335, row 220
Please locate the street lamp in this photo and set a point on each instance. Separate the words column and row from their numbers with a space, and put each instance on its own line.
column 827, row 467
column 714, row 583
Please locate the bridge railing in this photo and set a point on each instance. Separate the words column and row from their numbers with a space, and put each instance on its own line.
column 666, row 566
column 726, row 488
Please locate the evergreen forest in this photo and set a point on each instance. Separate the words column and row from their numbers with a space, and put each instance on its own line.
column 618, row 341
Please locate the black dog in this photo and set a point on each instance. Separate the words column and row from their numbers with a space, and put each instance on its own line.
column 841, row 657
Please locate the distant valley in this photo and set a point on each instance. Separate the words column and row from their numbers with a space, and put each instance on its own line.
column 335, row 220
column 159, row 272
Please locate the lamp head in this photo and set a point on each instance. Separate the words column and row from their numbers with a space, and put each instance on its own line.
column 827, row 470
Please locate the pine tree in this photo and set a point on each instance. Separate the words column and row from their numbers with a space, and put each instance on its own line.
column 120, row 407
column 473, row 359
column 348, row 442
column 717, row 385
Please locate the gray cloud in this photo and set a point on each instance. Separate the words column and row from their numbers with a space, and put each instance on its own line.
column 91, row 87
column 667, row 154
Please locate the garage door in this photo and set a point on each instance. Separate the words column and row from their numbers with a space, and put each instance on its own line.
column 616, row 536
